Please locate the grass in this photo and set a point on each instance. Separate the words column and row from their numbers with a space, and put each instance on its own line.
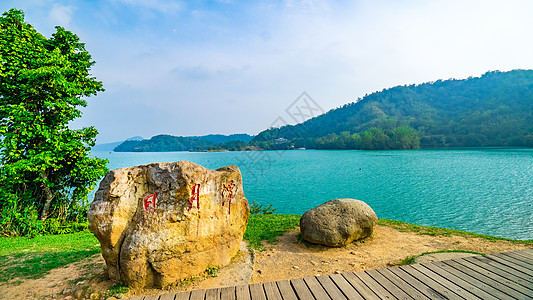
column 22, row 257
column 436, row 231
column 268, row 228
column 411, row 259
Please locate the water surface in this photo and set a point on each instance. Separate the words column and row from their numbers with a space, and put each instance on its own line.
column 487, row 191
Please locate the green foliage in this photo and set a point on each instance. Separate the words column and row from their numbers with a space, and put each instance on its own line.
column 256, row 208
column 56, row 226
column 167, row 143
column 221, row 139
column 45, row 167
column 492, row 110
column 117, row 290
column 268, row 228
column 402, row 137
column 212, row 271
column 21, row 257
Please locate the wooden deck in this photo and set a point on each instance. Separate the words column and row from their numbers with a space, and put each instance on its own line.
column 499, row 276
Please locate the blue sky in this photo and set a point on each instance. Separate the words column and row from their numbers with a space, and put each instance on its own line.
column 199, row 67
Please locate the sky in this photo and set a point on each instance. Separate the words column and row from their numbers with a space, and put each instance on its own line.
column 204, row 67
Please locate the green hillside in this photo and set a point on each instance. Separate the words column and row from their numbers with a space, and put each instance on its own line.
column 495, row 109
column 166, row 143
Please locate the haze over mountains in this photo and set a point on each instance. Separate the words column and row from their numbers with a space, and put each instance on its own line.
column 495, row 109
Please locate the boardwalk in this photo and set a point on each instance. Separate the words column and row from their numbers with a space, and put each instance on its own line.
column 499, row 276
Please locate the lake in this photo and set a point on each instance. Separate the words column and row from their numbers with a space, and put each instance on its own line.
column 486, row 191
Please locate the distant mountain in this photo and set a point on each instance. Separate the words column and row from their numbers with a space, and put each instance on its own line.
column 111, row 146
column 219, row 138
column 495, row 109
column 166, row 143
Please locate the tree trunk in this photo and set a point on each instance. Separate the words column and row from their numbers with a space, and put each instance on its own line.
column 49, row 196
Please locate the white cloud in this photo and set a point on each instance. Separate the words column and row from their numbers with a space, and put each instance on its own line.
column 61, row 15
column 251, row 60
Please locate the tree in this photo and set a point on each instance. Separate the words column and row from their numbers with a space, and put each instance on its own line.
column 45, row 167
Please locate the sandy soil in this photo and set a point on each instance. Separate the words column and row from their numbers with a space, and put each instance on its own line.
column 289, row 258
column 292, row 259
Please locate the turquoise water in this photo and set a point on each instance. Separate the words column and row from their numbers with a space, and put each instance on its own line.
column 487, row 191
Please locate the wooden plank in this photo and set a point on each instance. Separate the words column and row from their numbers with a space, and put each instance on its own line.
column 257, row 292
column 435, row 286
column 404, row 286
column 271, row 291
column 242, row 292
column 470, row 284
column 286, row 290
column 151, row 297
column 445, row 282
column 510, row 264
column 359, row 286
column 183, row 296
column 486, row 261
column 519, row 260
column 527, row 251
column 502, row 281
column 212, row 294
column 499, row 272
column 168, row 296
column 316, row 288
column 524, row 254
column 419, row 285
column 373, row 285
column 197, row 295
column 301, row 289
column 137, row 298
column 227, row 293
column 387, row 284
column 487, row 280
column 330, row 287
column 346, row 288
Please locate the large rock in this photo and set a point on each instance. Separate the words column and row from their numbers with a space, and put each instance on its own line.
column 160, row 223
column 338, row 222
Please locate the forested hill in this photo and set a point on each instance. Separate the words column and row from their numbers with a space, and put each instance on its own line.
column 164, row 143
column 495, row 109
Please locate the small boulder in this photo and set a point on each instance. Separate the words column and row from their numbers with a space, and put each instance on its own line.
column 338, row 222
column 161, row 223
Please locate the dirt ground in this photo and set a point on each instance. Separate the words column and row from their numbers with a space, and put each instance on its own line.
column 288, row 258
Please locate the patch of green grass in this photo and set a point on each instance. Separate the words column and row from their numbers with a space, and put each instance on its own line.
column 411, row 259
column 212, row 271
column 268, row 228
column 117, row 290
column 436, row 231
column 22, row 257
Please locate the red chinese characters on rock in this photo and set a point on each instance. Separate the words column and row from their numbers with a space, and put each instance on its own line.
column 228, row 192
column 149, row 202
column 195, row 196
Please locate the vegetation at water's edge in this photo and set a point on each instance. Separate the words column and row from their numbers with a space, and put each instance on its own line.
column 168, row 143
column 437, row 231
column 492, row 110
